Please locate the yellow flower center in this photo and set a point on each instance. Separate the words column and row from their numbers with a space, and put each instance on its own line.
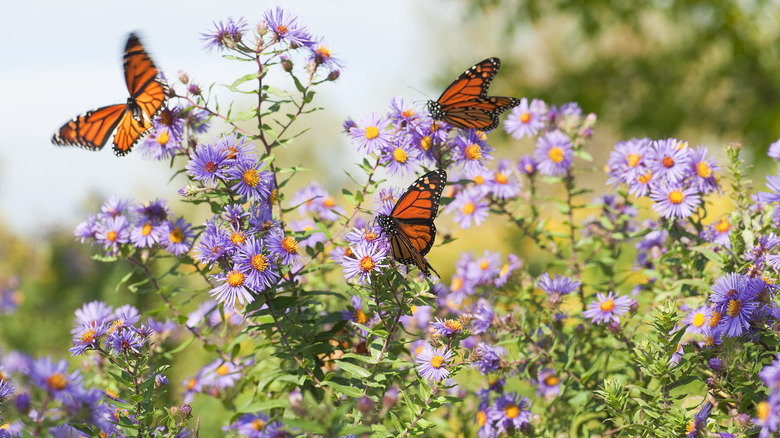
column 762, row 411
column 88, row 336
column 453, row 325
column 512, row 411
column 360, row 317
column 399, row 155
column 258, row 424
column 556, row 154
column 329, row 202
column 146, row 229
column 456, row 284
column 111, row 236
column 608, row 306
column 473, row 152
column 714, row 318
column 163, row 138
column 676, row 197
column 426, row 142
column 251, row 178
column 667, row 161
column 222, row 370
column 698, row 320
column 529, row 168
column 525, row 117
column 723, row 226
column 238, row 238
column 551, row 381
column 703, row 169
column 734, row 307
column 469, row 208
column 646, row 178
column 235, row 278
column 633, row 160
column 484, row 265
column 56, row 382
column 501, row 178
column 191, row 383
column 690, row 427
column 478, row 180
column 324, row 51
column 481, row 418
column 176, row 235
column 372, row 132
column 274, row 196
column 290, row 245
column 259, row 262
column 437, row 361
column 367, row 264
column 116, row 325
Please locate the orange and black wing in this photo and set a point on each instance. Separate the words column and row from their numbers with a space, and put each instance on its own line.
column 92, row 129
column 479, row 113
column 472, row 84
column 143, row 80
column 416, row 209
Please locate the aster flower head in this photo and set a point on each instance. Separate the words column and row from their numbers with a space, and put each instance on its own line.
column 262, row 272
column 488, row 358
column 92, row 313
column 527, row 165
column 502, row 182
column 252, row 425
column 400, row 158
column 486, row 268
column 482, row 316
column 445, row 327
column 214, row 244
column 432, row 362
column 115, row 207
column 770, row 375
column 371, row 134
column 284, row 249
column 125, row 341
column 629, row 160
column 156, row 211
column 251, row 182
column 768, row 416
column 165, row 140
column 357, row 314
column 526, row 119
column 402, row 112
column 113, row 232
column 757, row 253
column 87, row 337
column 238, row 148
column 145, row 234
column 548, row 385
column 233, row 287
column 225, row 35
column 696, row 320
column 671, row 162
column 367, row 259
column 719, row 232
column 285, row 27
column 87, row 230
column 607, row 308
column 321, row 55
column 557, row 287
column 470, row 206
column 553, row 153
column 510, row 412
column 315, row 199
column 674, row 201
column 734, row 299
column 206, row 164
column 177, row 236
column 697, row 427
column 221, row 374
column 387, row 199
column 472, row 151
column 55, row 379
column 702, row 170
column 513, row 263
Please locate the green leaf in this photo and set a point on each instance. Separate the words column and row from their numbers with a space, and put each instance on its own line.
column 352, row 369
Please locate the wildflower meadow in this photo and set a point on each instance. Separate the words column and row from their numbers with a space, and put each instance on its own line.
column 629, row 309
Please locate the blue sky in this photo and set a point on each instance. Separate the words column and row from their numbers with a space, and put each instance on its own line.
column 63, row 58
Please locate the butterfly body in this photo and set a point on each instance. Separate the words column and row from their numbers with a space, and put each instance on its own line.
column 130, row 121
column 409, row 227
column 465, row 103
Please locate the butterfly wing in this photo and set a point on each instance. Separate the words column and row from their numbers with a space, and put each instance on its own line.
column 479, row 113
column 128, row 132
column 472, row 84
column 92, row 129
column 142, row 77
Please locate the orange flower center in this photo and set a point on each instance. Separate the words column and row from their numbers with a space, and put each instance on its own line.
column 235, row 278
column 259, row 262
column 329, row 202
column 703, row 169
column 512, row 411
column 551, row 381
column 372, row 132
column 238, row 238
column 88, row 336
column 556, row 154
column 481, row 418
column 501, row 178
column 290, row 245
column 608, row 306
column 469, row 208
column 176, row 235
column 258, row 424
column 251, row 178
column 676, row 197
column 473, row 152
column 56, row 382
column 667, row 161
column 360, row 317
column 426, row 142
column 222, row 370
column 163, row 138
column 111, row 236
column 633, row 160
column 646, row 178
column 437, row 361
column 281, row 29
column 367, row 264
column 762, row 411
column 525, row 117
column 146, row 229
column 723, row 226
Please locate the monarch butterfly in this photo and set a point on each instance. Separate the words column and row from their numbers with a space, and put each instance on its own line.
column 131, row 120
column 409, row 227
column 465, row 103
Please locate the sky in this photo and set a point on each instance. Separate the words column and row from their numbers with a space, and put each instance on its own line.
column 63, row 58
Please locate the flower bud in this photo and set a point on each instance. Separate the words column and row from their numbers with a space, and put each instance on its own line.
column 287, row 64
column 296, row 402
column 365, row 405
column 183, row 77
column 390, row 398
column 22, row 402
column 715, row 364
column 333, row 75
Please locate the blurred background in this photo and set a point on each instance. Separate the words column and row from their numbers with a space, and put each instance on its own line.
column 702, row 71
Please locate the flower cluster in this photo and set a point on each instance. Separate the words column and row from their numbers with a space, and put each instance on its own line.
column 173, row 130
column 122, row 224
column 768, row 411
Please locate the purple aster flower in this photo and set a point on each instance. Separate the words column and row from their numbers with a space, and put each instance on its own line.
column 557, row 287
column 87, row 230
column 262, row 272
column 472, row 151
column 214, row 243
column 285, row 27
column 673, row 201
column 206, row 164
column 252, row 425
column 553, row 153
column 387, row 199
column 220, row 374
column 734, row 298
column 165, row 139
column 527, row 165
column 315, row 199
column 321, row 55
column 774, row 150
column 607, row 308
column 432, row 362
column 233, row 287
column 629, row 160
column 513, row 262
column 482, row 316
column 698, row 426
column 486, row 268
column 284, row 249
column 367, row 236
column 226, row 35
column 510, row 412
column 403, row 113
column 502, row 183
column 768, row 415
column 445, row 327
column 253, row 183
column 757, row 253
column 125, row 316
column 525, row 119
column 548, row 385
column 356, row 314
column 770, row 375
column 115, row 207
column 92, row 313
column 125, row 341
column 719, row 232
column 177, row 236
column 371, row 134
column 54, row 378
column 400, row 158
column 696, row 320
column 112, row 232
column 671, row 162
column 367, row 259
column 239, row 149
column 145, row 234
column 488, row 358
column 87, row 337
column 644, row 181
column 703, row 169
column 6, row 389
column 469, row 206
column 773, row 184
column 156, row 211
column 653, row 244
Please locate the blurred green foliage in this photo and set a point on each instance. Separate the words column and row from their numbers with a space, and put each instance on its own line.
column 647, row 68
